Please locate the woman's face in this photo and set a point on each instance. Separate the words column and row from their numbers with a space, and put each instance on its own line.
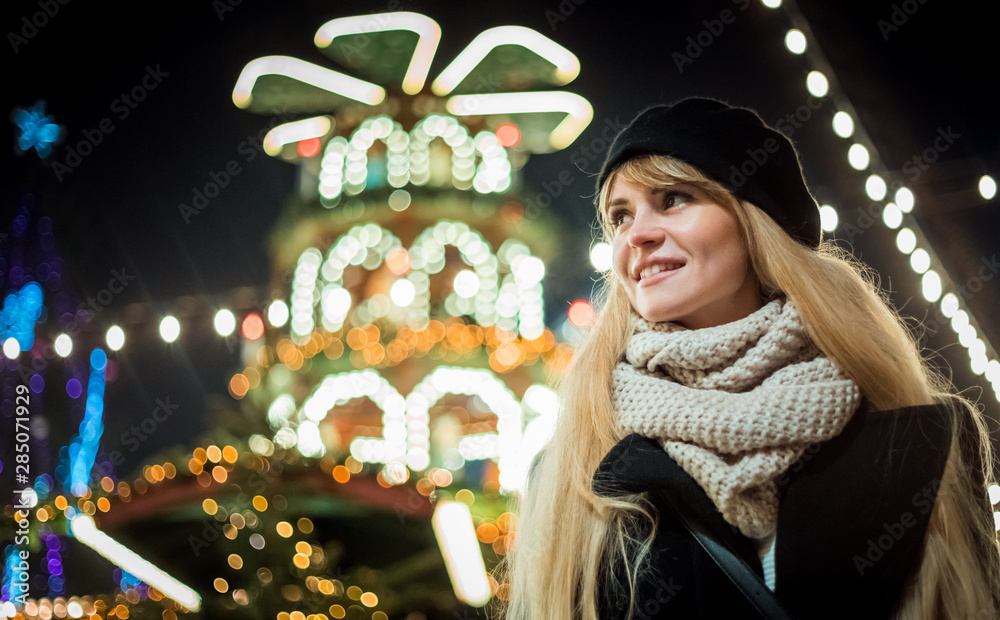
column 679, row 255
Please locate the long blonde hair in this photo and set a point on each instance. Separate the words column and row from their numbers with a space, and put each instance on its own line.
column 570, row 543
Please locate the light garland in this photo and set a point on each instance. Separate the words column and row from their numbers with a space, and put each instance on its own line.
column 405, row 422
column 347, row 169
column 910, row 239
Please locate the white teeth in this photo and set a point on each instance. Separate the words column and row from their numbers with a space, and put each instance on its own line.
column 655, row 269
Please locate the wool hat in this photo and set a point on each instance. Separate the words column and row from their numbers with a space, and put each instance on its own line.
column 732, row 146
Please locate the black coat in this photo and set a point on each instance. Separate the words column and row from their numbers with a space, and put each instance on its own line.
column 852, row 516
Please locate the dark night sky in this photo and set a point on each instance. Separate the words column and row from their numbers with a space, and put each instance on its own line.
column 118, row 208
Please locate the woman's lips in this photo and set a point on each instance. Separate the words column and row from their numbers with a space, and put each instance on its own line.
column 658, row 277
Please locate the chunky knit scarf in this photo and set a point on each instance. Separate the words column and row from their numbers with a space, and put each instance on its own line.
column 734, row 405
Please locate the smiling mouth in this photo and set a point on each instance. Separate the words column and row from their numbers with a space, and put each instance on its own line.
column 652, row 270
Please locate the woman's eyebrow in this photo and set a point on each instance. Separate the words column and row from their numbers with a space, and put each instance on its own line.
column 614, row 202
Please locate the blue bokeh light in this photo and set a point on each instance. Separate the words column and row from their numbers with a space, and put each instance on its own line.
column 38, row 131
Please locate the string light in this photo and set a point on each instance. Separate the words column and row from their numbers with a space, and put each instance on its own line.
column 63, row 345
column 987, row 187
column 225, row 322
column 600, row 256
column 932, row 282
column 795, row 41
column 843, row 124
column 828, row 218
column 170, row 329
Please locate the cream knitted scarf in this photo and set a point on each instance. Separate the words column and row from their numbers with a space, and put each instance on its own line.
column 734, row 405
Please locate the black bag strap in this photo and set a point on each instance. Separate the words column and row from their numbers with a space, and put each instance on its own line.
column 743, row 577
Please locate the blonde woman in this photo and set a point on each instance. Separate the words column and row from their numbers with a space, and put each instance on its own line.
column 749, row 430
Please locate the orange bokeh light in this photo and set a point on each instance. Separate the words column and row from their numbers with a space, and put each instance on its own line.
column 398, row 262
column 508, row 134
column 581, row 314
column 309, row 148
column 253, row 327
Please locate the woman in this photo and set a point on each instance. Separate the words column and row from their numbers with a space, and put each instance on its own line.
column 748, row 384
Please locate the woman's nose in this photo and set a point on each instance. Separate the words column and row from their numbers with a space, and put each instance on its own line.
column 645, row 228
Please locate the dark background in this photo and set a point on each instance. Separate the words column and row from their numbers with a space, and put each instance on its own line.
column 118, row 209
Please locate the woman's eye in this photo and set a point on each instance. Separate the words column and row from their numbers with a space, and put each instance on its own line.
column 673, row 199
column 618, row 218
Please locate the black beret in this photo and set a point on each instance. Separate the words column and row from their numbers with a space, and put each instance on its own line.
column 732, row 146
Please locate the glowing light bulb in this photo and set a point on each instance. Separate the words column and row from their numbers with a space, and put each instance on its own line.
column 170, row 329
column 115, row 338
column 892, row 216
column 63, row 345
column 858, row 157
column 795, row 41
column 828, row 218
column 225, row 322
column 402, row 293
column 843, row 124
column 931, row 286
column 817, row 84
column 875, row 187
column 905, row 200
column 600, row 256
column 987, row 187
column 253, row 326
column 277, row 313
column 508, row 134
column 906, row 240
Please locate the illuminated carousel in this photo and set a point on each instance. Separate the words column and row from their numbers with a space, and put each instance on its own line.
column 395, row 388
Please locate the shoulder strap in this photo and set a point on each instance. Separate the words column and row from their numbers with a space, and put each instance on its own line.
column 745, row 580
